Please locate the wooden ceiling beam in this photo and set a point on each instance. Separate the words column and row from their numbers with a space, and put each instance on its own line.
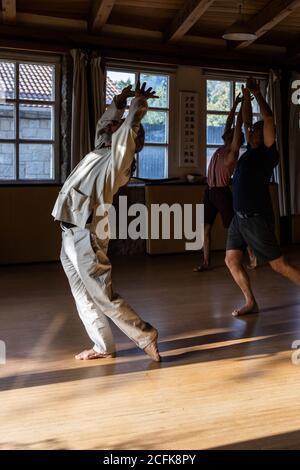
column 9, row 13
column 293, row 52
column 101, row 10
column 130, row 47
column 267, row 18
column 186, row 17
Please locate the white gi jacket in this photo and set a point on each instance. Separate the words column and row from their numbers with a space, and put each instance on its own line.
column 100, row 174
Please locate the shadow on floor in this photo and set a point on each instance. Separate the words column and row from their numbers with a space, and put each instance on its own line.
column 280, row 337
column 284, row 441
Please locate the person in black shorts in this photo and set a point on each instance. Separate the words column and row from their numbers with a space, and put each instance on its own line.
column 253, row 221
column 217, row 196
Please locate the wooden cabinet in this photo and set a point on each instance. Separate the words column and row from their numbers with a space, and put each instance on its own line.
column 28, row 231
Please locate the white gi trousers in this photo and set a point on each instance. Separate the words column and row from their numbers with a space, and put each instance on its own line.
column 88, row 270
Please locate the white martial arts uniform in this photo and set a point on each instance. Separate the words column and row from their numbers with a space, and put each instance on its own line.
column 91, row 184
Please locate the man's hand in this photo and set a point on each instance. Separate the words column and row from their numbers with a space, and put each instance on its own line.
column 238, row 99
column 127, row 92
column 141, row 91
column 246, row 94
column 121, row 99
column 253, row 85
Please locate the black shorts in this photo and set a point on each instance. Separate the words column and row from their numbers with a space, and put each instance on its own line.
column 218, row 200
column 256, row 232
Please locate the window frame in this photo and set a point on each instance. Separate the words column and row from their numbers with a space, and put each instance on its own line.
column 233, row 79
column 137, row 69
column 38, row 59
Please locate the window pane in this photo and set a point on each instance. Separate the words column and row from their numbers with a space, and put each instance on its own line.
column 36, row 161
column 7, row 80
column 7, row 162
column 36, row 82
column 155, row 125
column 7, row 121
column 215, row 128
column 152, row 163
column 209, row 153
column 116, row 81
column 218, row 95
column 36, row 121
column 159, row 83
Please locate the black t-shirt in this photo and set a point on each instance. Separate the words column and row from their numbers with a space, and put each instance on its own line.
column 251, row 180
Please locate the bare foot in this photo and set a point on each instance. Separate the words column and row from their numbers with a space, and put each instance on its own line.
column 88, row 354
column 250, row 307
column 152, row 351
column 252, row 265
column 253, row 262
column 202, row 267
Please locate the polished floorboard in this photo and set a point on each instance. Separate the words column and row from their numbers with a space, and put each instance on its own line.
column 224, row 383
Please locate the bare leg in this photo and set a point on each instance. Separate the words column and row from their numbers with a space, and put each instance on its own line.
column 206, row 249
column 233, row 261
column 281, row 266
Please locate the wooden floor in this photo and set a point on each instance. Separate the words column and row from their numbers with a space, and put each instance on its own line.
column 224, row 383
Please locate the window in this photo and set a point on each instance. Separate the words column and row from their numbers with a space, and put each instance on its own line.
column 152, row 161
column 28, row 121
column 220, row 95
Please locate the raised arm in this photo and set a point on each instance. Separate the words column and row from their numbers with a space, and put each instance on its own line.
column 247, row 112
column 266, row 112
column 233, row 153
column 114, row 112
column 124, row 140
column 230, row 118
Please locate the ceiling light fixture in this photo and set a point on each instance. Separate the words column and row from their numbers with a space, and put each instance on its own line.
column 239, row 31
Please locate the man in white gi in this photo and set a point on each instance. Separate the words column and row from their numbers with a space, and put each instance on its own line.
column 90, row 186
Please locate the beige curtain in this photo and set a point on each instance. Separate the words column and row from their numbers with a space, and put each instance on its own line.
column 97, row 93
column 274, row 98
column 80, row 129
column 66, row 115
column 87, row 102
column 294, row 150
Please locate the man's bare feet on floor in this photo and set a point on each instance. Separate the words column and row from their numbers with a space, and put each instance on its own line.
column 88, row 354
column 152, row 351
column 249, row 308
column 252, row 265
column 202, row 267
